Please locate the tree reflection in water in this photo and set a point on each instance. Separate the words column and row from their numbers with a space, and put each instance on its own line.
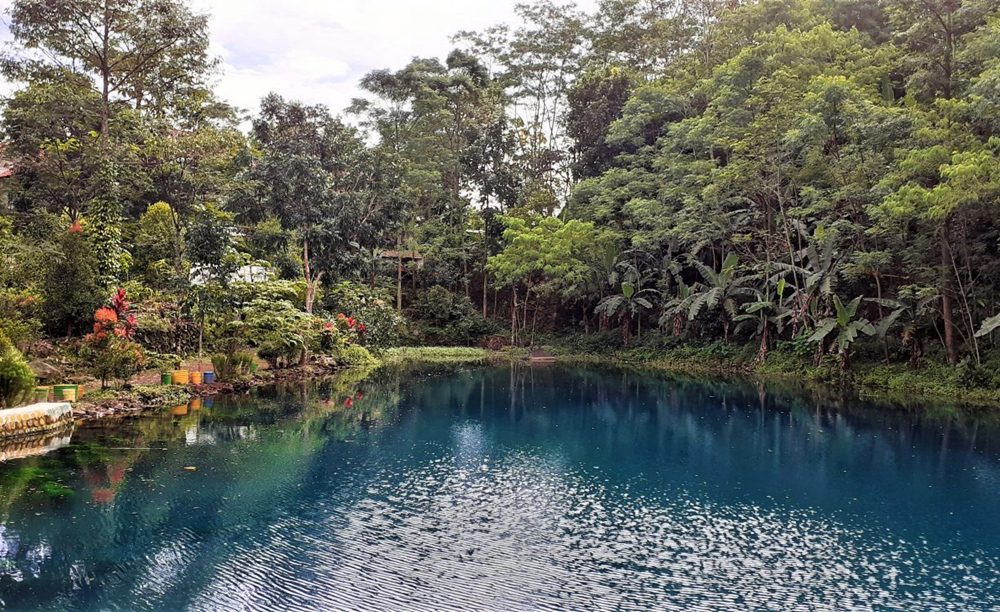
column 147, row 507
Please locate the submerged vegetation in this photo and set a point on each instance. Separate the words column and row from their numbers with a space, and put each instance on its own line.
column 783, row 186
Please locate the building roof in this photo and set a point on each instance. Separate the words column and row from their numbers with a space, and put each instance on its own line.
column 407, row 255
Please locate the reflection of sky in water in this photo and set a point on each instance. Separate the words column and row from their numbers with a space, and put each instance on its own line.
column 545, row 489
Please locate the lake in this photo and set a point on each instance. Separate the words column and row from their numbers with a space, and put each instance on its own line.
column 510, row 488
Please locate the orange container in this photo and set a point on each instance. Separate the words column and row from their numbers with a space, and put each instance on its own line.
column 195, row 404
column 179, row 410
column 180, row 377
column 196, row 378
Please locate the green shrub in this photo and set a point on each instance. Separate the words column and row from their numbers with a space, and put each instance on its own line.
column 114, row 359
column 16, row 378
column 71, row 288
column 371, row 308
column 353, row 355
column 20, row 316
column 279, row 330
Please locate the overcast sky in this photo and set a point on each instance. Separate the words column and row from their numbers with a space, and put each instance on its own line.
column 317, row 50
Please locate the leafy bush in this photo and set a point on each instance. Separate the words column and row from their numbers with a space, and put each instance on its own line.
column 16, row 378
column 20, row 316
column 354, row 355
column 163, row 329
column 280, row 331
column 115, row 359
column 371, row 308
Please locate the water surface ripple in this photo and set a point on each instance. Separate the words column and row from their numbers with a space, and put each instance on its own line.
column 510, row 489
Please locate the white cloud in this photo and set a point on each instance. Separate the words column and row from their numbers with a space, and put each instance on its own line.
column 317, row 50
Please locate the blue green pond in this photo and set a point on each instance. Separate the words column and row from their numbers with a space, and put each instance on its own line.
column 510, row 489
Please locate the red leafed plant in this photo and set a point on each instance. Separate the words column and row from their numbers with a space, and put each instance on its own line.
column 110, row 348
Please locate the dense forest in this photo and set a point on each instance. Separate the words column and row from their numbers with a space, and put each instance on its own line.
column 818, row 175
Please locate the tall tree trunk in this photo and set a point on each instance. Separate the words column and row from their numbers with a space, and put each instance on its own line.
column 513, row 316
column 485, row 286
column 312, row 281
column 311, row 284
column 947, row 313
column 105, row 77
column 878, row 292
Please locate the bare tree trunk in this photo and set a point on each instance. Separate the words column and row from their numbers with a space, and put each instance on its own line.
column 534, row 320
column 105, row 78
column 878, row 292
column 946, row 305
column 524, row 316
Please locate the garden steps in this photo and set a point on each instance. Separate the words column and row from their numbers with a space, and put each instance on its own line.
column 36, row 418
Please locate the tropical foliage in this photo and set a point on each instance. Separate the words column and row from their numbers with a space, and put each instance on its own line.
column 820, row 174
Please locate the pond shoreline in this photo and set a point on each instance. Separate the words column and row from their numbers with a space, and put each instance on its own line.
column 135, row 401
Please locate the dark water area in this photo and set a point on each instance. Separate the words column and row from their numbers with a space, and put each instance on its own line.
column 510, row 489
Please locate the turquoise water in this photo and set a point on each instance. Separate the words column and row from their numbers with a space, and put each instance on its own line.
column 509, row 489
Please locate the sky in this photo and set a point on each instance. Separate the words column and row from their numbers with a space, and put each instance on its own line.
column 316, row 51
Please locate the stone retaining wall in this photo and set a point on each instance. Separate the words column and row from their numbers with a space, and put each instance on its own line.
column 35, row 419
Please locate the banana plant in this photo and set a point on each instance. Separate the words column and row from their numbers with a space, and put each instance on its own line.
column 626, row 305
column 675, row 311
column 723, row 288
column 768, row 312
column 814, row 271
column 989, row 326
column 845, row 328
column 911, row 310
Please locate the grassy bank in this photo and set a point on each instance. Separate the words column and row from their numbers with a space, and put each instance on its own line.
column 869, row 376
column 447, row 355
